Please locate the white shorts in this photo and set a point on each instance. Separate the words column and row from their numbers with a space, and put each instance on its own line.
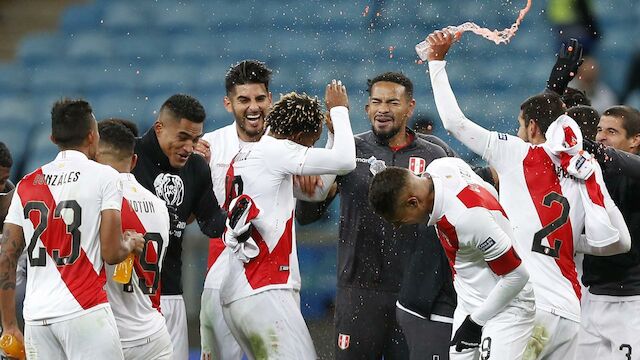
column 216, row 339
column 93, row 335
column 175, row 314
column 269, row 325
column 504, row 337
column 610, row 328
column 554, row 338
column 157, row 347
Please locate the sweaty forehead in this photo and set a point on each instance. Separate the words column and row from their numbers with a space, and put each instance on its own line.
column 249, row 90
column 388, row 89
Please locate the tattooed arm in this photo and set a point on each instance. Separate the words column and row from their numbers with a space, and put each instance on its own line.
column 11, row 246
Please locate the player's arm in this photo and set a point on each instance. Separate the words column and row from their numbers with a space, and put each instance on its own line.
column 503, row 260
column 340, row 159
column 308, row 212
column 11, row 246
column 211, row 217
column 614, row 161
column 116, row 245
column 604, row 234
column 453, row 119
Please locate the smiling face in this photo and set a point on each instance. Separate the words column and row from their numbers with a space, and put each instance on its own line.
column 177, row 138
column 611, row 132
column 388, row 109
column 249, row 104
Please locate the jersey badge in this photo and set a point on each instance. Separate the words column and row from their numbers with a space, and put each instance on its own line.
column 417, row 165
column 343, row 341
column 169, row 188
column 487, row 244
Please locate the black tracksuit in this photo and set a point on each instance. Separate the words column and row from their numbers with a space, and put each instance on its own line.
column 617, row 275
column 379, row 265
column 186, row 191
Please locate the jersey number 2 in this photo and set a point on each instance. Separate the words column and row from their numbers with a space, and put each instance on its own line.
column 71, row 228
column 554, row 251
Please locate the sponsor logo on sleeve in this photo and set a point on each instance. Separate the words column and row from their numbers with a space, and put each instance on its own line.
column 487, row 244
column 502, row 136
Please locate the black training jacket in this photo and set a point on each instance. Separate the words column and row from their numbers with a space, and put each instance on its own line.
column 617, row 275
column 186, row 191
column 371, row 253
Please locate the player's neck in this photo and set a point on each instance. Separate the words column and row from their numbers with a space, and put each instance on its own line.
column 82, row 149
column 400, row 139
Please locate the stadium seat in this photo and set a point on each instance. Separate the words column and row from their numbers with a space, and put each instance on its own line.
column 139, row 49
column 13, row 80
column 80, row 18
column 126, row 18
column 41, row 48
column 90, row 48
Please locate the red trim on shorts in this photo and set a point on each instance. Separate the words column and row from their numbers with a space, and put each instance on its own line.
column 541, row 179
column 477, row 196
column 505, row 263
column 449, row 240
column 84, row 284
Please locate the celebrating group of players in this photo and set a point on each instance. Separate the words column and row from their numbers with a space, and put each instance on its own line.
column 110, row 193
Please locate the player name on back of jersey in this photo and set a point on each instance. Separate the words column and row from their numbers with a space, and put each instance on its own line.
column 142, row 206
column 56, row 179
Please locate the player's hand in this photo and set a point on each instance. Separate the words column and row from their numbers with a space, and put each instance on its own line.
column 439, row 43
column 308, row 184
column 136, row 241
column 336, row 95
column 328, row 122
column 17, row 334
column 467, row 336
column 566, row 66
column 203, row 148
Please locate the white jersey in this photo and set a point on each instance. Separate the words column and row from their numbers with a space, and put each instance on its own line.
column 546, row 206
column 136, row 305
column 474, row 231
column 225, row 144
column 546, row 210
column 265, row 173
column 58, row 207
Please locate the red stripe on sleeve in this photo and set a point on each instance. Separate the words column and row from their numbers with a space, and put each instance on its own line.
column 505, row 263
column 594, row 191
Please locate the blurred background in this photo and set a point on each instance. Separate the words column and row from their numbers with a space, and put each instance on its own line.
column 127, row 56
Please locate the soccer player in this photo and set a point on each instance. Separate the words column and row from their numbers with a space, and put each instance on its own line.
column 260, row 294
column 496, row 306
column 136, row 305
column 248, row 99
column 68, row 211
column 395, row 297
column 546, row 204
column 167, row 168
column 611, row 307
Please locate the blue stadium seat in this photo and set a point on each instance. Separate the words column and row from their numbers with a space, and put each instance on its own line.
column 166, row 78
column 178, row 18
column 195, row 49
column 109, row 79
column 61, row 79
column 80, row 18
column 139, row 49
column 13, row 80
column 90, row 48
column 120, row 105
column 127, row 18
column 16, row 110
column 41, row 48
column 15, row 136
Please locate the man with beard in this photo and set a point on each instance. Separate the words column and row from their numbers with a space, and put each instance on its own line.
column 166, row 168
column 383, row 272
column 248, row 99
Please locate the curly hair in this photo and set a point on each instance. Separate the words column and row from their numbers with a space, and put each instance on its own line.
column 295, row 113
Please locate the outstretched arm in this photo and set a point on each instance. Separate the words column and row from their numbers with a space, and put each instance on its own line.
column 614, row 161
column 469, row 133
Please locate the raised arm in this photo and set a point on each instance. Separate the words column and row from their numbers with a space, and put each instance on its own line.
column 469, row 133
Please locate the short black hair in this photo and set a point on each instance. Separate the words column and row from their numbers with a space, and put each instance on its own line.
column 5, row 156
column 587, row 118
column 385, row 190
column 394, row 77
column 247, row 72
column 543, row 108
column 574, row 97
column 117, row 136
column 71, row 122
column 630, row 118
column 127, row 123
column 184, row 106
column 295, row 113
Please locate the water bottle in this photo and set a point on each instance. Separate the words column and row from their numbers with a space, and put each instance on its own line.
column 12, row 347
column 122, row 272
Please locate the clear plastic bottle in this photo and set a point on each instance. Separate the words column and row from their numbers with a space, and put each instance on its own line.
column 12, row 347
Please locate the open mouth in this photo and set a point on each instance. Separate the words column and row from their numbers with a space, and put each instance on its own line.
column 254, row 119
column 183, row 157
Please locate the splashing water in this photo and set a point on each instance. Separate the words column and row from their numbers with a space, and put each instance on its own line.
column 497, row 36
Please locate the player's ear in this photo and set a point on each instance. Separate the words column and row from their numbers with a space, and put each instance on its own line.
column 366, row 108
column 412, row 202
column 635, row 142
column 412, row 107
column 227, row 104
column 134, row 161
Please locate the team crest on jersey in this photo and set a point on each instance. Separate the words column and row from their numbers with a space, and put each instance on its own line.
column 343, row 341
column 417, row 165
column 169, row 188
